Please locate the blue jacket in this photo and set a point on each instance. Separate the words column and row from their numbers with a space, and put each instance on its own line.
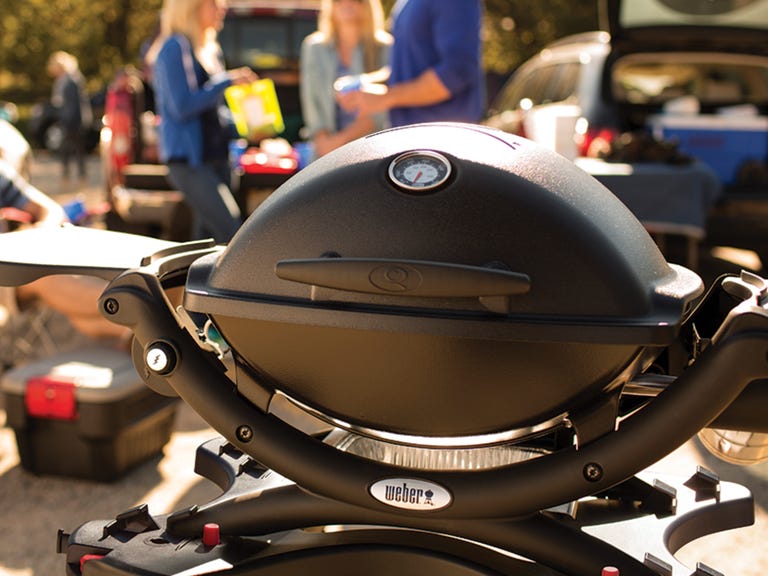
column 183, row 94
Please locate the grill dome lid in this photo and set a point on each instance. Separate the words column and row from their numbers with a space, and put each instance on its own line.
column 420, row 259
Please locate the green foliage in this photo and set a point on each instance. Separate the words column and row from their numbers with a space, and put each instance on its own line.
column 103, row 34
column 514, row 30
column 107, row 34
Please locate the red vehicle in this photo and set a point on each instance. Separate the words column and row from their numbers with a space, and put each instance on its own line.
column 128, row 135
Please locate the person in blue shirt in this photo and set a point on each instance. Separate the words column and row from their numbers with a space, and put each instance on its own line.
column 435, row 66
column 189, row 80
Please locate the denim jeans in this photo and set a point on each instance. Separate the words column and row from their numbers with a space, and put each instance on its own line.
column 206, row 190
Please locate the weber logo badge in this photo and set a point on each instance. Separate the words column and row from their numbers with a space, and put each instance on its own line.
column 411, row 494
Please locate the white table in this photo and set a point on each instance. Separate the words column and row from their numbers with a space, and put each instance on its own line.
column 666, row 198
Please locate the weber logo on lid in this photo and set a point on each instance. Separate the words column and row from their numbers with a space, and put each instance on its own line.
column 411, row 494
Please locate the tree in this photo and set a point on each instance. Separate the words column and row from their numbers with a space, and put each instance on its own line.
column 107, row 34
column 514, row 30
column 103, row 34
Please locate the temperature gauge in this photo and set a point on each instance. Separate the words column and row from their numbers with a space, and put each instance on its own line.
column 420, row 171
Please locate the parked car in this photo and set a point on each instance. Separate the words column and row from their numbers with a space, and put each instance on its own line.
column 265, row 35
column 691, row 72
column 563, row 82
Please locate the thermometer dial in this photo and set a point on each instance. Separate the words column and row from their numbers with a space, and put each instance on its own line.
column 419, row 171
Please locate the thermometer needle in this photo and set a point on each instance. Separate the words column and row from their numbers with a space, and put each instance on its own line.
column 417, row 177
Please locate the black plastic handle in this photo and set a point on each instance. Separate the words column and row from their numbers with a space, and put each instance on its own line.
column 417, row 278
column 29, row 254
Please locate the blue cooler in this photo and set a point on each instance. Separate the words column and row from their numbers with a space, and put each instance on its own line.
column 723, row 142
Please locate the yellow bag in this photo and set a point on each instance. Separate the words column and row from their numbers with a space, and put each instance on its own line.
column 255, row 109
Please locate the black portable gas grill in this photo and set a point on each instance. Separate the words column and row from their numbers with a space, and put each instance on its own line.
column 435, row 307
column 437, row 340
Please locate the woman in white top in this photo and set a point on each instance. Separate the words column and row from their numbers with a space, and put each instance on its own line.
column 350, row 41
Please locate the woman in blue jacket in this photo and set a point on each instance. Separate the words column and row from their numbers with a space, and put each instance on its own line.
column 189, row 80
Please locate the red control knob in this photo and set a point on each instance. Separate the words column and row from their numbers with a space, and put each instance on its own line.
column 211, row 535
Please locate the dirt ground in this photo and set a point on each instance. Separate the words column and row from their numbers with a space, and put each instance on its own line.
column 33, row 508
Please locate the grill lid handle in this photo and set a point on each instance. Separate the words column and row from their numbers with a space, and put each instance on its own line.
column 416, row 278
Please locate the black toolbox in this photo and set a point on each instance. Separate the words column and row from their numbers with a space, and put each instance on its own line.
column 85, row 414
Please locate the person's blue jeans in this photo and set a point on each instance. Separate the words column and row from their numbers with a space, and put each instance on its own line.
column 206, row 190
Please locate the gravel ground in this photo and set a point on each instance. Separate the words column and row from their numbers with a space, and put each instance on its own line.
column 33, row 508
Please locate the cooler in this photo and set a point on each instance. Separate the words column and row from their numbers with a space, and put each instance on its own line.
column 723, row 142
column 85, row 414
